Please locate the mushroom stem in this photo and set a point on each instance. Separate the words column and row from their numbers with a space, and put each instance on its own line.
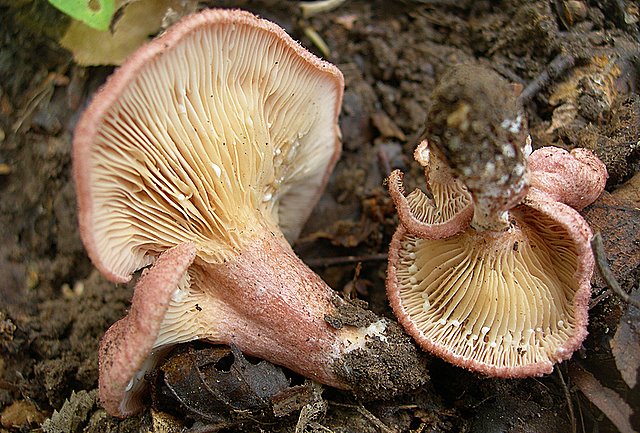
column 256, row 310
column 487, row 218
column 248, row 301
column 478, row 127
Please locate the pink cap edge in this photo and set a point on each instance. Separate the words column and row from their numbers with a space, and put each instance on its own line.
column 128, row 342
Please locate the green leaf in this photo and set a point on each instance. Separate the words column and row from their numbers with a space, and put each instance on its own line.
column 94, row 13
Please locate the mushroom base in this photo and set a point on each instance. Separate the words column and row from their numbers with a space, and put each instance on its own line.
column 269, row 304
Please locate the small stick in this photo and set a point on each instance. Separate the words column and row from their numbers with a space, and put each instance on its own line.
column 8, row 386
column 367, row 414
column 311, row 8
column 317, row 40
column 385, row 165
column 344, row 260
column 603, row 266
column 567, row 396
column 559, row 65
column 595, row 301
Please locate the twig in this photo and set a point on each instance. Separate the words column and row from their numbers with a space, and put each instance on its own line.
column 311, row 8
column 595, row 301
column 608, row 401
column 368, row 415
column 603, row 266
column 344, row 260
column 317, row 40
column 567, row 396
column 584, row 430
column 313, row 411
column 385, row 164
column 559, row 65
column 8, row 386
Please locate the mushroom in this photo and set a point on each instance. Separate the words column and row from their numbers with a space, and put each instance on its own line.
column 202, row 154
column 507, row 293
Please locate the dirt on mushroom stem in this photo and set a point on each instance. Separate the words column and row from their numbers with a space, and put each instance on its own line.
column 478, row 126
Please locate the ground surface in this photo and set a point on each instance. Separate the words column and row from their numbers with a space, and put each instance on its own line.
column 54, row 307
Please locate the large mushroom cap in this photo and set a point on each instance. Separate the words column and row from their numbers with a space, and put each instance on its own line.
column 201, row 136
column 506, row 304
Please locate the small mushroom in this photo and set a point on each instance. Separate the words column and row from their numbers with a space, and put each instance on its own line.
column 202, row 154
column 507, row 294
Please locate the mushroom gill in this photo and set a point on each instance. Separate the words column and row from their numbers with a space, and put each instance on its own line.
column 209, row 140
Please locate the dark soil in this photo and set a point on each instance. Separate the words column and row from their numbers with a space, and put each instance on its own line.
column 579, row 65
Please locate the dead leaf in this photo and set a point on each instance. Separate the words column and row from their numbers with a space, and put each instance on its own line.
column 625, row 345
column 386, row 126
column 605, row 399
column 345, row 233
column 619, row 223
column 139, row 20
column 597, row 78
column 217, row 384
column 166, row 423
column 630, row 191
column 21, row 414
column 74, row 414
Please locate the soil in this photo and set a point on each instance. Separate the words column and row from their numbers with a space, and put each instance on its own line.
column 578, row 65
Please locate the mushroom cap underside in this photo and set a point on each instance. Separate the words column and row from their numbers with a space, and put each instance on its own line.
column 221, row 127
column 124, row 354
column 507, row 304
column 446, row 209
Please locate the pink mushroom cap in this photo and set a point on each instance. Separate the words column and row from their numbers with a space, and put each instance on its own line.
column 575, row 178
column 117, row 367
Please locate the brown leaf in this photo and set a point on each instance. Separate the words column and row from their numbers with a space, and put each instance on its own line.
column 630, row 191
column 21, row 414
column 619, row 223
column 217, row 384
column 625, row 345
column 605, row 399
column 345, row 233
column 386, row 126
